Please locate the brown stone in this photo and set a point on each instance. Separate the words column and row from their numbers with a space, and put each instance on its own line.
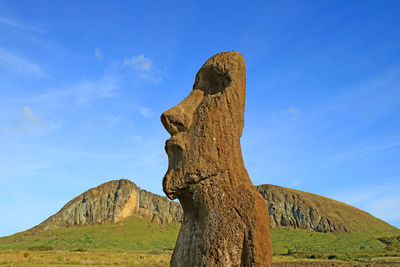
column 112, row 202
column 225, row 219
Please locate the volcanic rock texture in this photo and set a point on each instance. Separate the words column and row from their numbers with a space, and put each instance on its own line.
column 116, row 200
column 113, row 201
column 225, row 219
column 298, row 209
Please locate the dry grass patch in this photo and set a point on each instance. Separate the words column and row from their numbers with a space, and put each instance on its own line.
column 69, row 258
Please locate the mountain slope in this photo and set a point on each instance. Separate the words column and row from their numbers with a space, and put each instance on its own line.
column 298, row 209
column 133, row 219
column 135, row 233
column 119, row 199
column 112, row 202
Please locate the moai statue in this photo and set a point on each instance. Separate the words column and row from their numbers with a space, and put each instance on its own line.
column 225, row 219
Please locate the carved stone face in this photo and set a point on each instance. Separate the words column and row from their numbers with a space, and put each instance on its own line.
column 206, row 126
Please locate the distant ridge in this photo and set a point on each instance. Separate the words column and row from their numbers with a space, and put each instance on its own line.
column 119, row 199
column 298, row 209
column 112, row 202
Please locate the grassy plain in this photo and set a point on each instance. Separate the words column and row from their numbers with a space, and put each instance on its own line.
column 134, row 233
column 137, row 242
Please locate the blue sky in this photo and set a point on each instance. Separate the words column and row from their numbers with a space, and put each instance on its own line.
column 83, row 84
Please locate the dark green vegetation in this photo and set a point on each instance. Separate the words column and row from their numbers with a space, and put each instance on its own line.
column 137, row 234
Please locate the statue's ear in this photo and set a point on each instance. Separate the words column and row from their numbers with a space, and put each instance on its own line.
column 211, row 80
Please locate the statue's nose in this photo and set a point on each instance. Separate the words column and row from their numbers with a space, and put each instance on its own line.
column 173, row 120
column 179, row 118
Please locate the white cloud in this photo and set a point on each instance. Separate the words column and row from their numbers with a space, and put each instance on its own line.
column 145, row 112
column 19, row 128
column 295, row 182
column 139, row 63
column 98, row 53
column 291, row 111
column 386, row 206
column 85, row 91
column 20, row 25
column 382, row 200
column 28, row 115
column 364, row 150
column 137, row 138
column 17, row 64
column 110, row 120
column 150, row 77
column 20, row 125
column 144, row 68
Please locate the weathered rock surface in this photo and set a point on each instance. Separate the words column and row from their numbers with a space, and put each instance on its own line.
column 293, row 208
column 119, row 199
column 225, row 219
column 298, row 209
column 113, row 201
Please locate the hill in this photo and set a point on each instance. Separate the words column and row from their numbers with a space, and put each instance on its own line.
column 119, row 216
column 119, row 199
column 298, row 209
column 135, row 233
column 112, row 202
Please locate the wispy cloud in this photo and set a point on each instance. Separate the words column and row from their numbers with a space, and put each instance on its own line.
column 29, row 116
column 139, row 63
column 145, row 112
column 97, row 53
column 17, row 64
column 19, row 25
column 144, row 68
column 296, row 182
column 385, row 206
column 20, row 126
column 291, row 111
column 108, row 120
column 85, row 92
column 379, row 200
column 364, row 151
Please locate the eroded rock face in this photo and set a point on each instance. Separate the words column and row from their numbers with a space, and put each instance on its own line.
column 298, row 209
column 225, row 219
column 113, row 201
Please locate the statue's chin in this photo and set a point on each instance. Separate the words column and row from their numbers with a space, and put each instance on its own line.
column 172, row 196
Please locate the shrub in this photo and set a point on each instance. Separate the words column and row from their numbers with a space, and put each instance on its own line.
column 385, row 240
column 41, row 248
column 79, row 250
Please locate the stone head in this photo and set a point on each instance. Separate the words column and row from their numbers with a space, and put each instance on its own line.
column 206, row 126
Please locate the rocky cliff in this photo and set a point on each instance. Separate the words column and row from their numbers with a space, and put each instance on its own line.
column 118, row 199
column 113, row 201
column 298, row 209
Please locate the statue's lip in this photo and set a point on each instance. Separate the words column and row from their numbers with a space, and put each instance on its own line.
column 172, row 142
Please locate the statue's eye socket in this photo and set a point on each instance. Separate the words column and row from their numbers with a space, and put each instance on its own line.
column 212, row 80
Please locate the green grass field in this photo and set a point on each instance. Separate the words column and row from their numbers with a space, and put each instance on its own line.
column 134, row 233
column 137, row 241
